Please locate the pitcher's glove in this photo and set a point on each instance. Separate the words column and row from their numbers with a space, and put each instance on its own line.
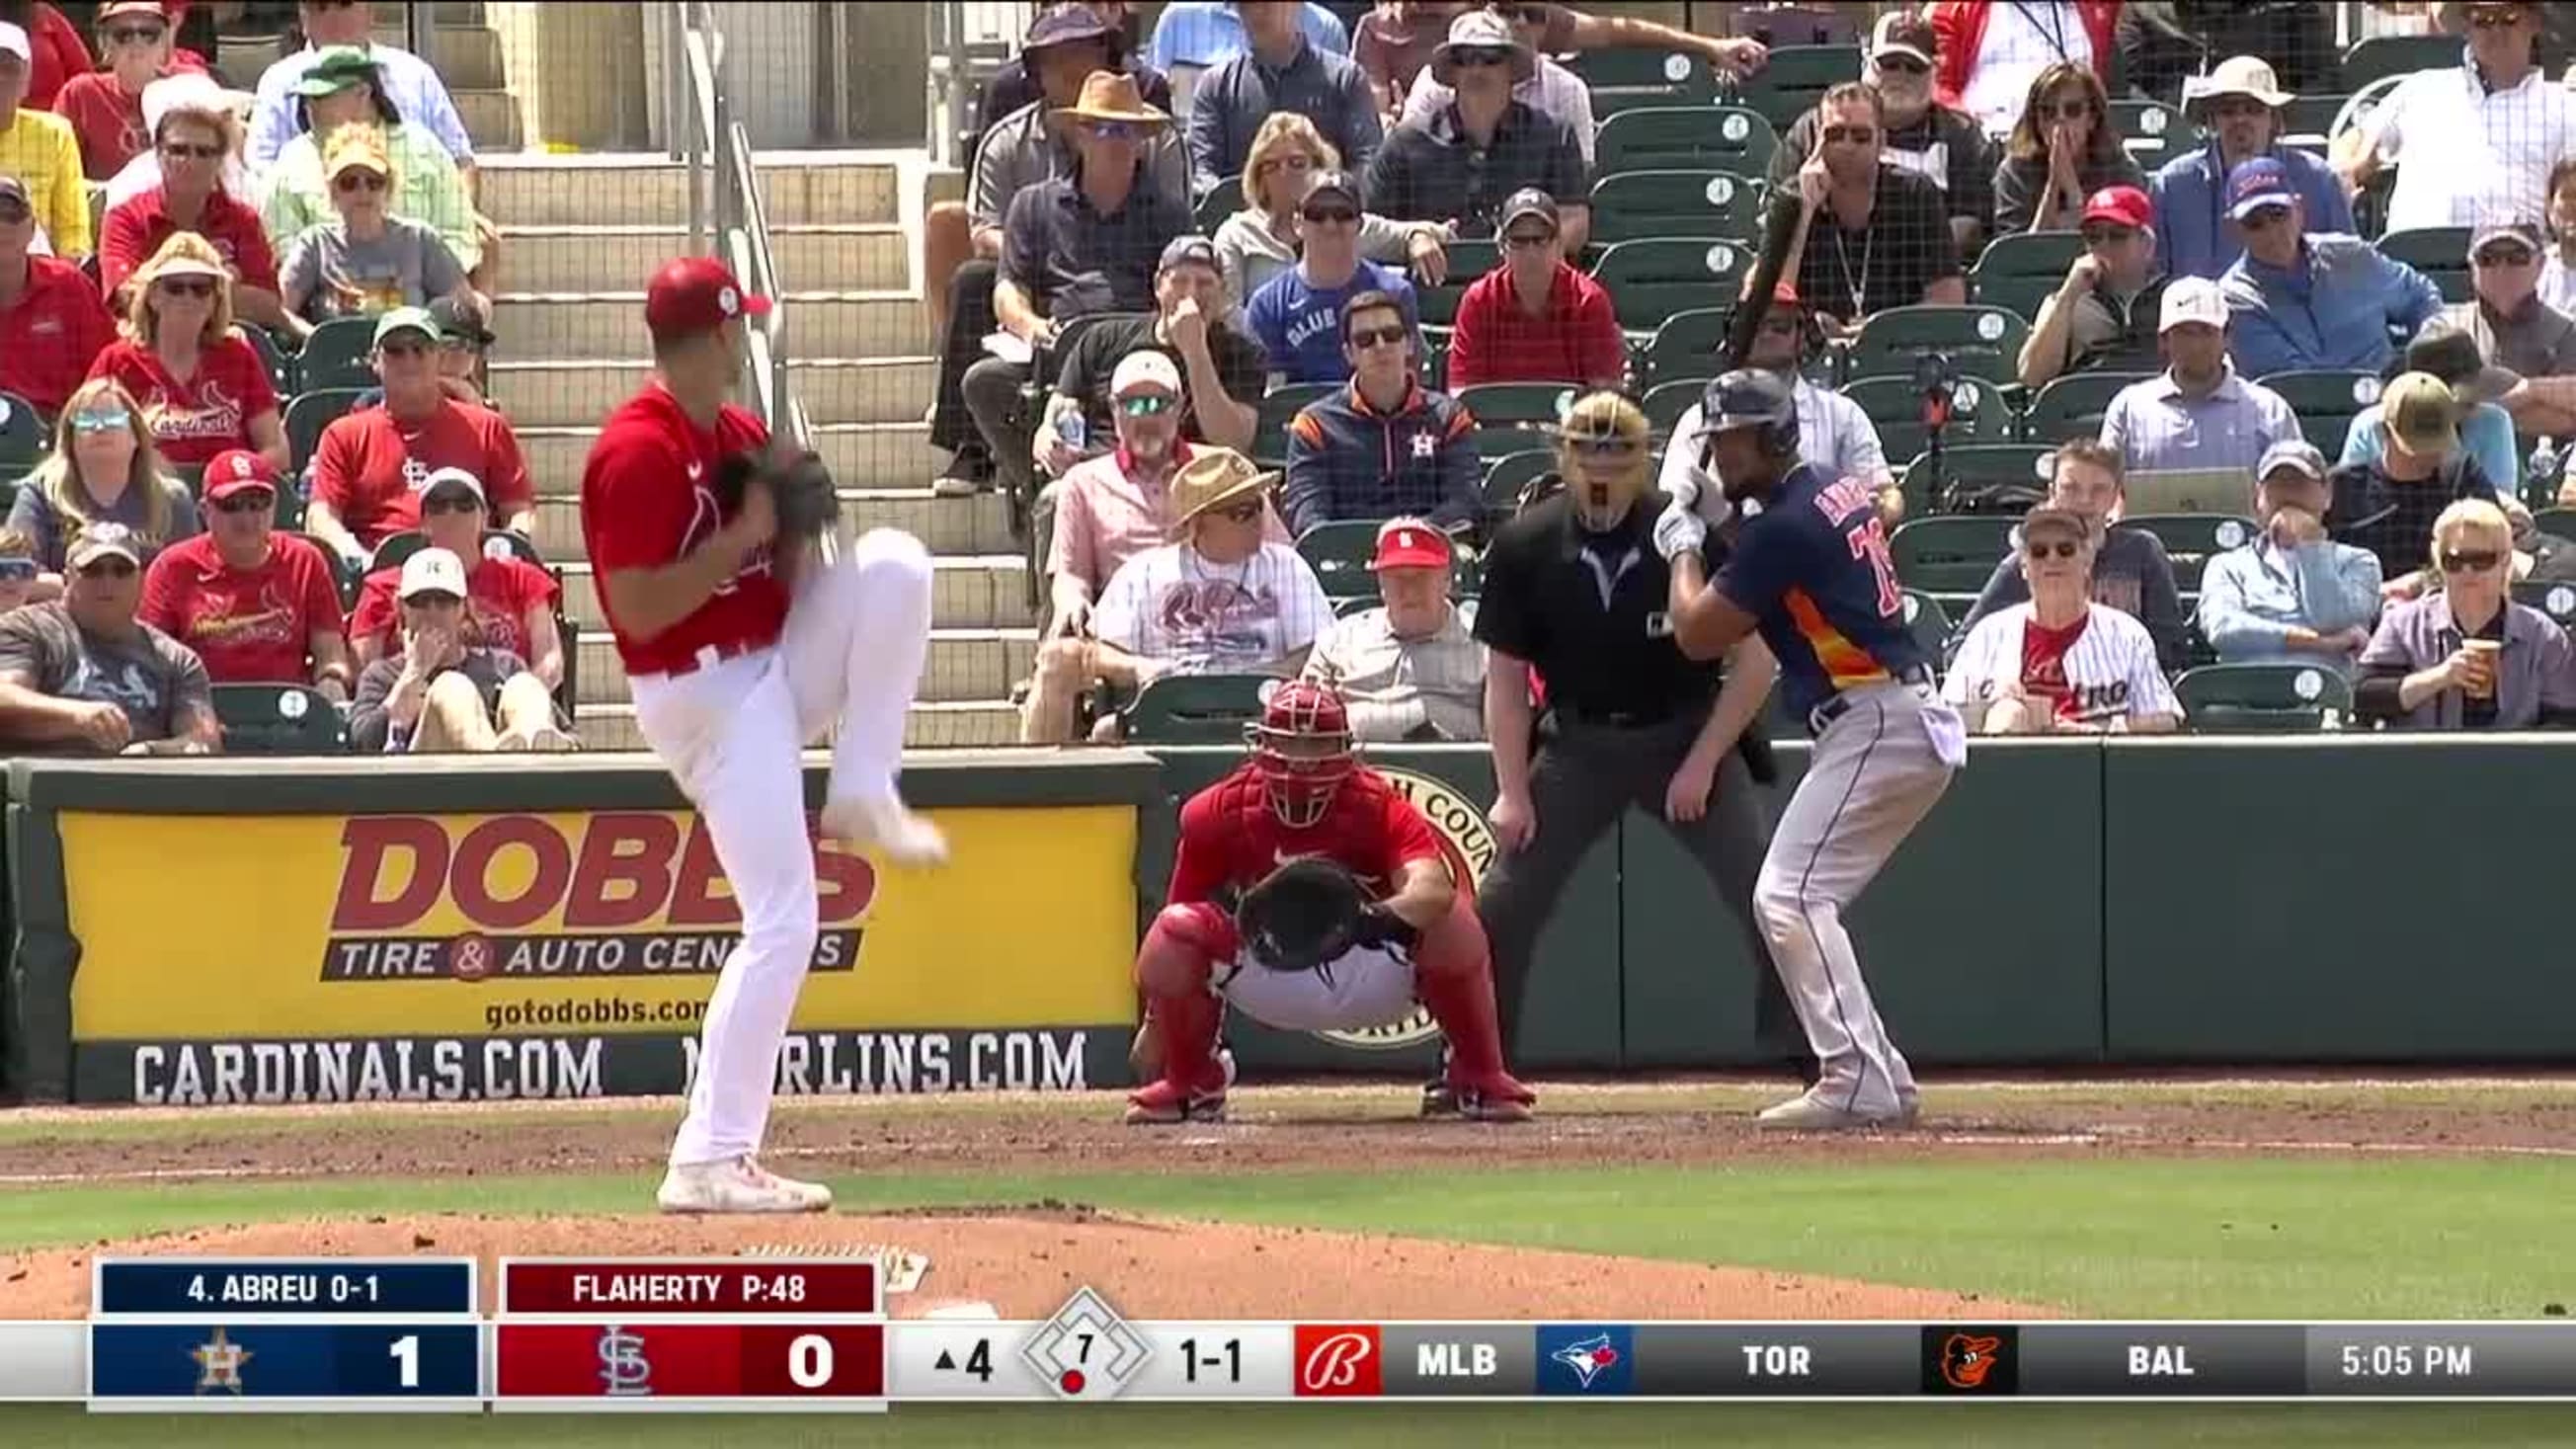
column 1307, row 912
column 800, row 487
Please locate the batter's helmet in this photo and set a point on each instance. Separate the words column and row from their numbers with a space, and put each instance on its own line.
column 1752, row 398
column 1302, row 747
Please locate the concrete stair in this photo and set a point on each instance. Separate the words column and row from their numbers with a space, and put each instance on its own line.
column 461, row 45
column 856, row 451
column 577, row 391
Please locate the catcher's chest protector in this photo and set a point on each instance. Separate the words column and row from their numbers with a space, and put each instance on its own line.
column 1255, row 841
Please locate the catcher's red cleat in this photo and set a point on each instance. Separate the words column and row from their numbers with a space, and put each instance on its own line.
column 1167, row 1103
column 1495, row 1098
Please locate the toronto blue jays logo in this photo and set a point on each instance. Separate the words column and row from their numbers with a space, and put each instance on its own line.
column 1587, row 1357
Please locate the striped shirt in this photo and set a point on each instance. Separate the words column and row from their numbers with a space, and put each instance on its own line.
column 2157, row 428
column 40, row 150
column 1170, row 604
column 426, row 182
column 419, row 97
column 2107, row 671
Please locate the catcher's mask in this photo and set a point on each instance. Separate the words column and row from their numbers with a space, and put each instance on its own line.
column 1302, row 745
column 1603, row 452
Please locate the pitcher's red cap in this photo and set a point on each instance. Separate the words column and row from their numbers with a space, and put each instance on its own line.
column 696, row 294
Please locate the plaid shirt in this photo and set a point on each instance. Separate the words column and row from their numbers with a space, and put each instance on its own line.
column 428, row 189
column 40, row 150
column 2157, row 428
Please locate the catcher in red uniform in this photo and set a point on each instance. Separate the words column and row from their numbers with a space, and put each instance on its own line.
column 1347, row 915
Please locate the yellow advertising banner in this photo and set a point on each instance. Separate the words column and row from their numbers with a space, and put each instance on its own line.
column 597, row 922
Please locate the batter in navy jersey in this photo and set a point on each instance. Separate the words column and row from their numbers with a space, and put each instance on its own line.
column 1811, row 572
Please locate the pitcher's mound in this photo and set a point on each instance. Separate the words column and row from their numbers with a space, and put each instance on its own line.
column 1024, row 1262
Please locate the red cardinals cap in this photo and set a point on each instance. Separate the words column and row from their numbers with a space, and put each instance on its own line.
column 2123, row 205
column 696, row 294
column 236, row 471
column 1410, row 543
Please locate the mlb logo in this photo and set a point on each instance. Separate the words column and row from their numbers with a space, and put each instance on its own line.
column 1586, row 1359
column 1340, row 1361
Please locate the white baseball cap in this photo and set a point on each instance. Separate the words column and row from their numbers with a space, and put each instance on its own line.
column 432, row 571
column 13, row 39
column 1145, row 367
column 458, row 476
column 2192, row 299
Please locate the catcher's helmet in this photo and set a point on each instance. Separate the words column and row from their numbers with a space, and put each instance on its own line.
column 1751, row 397
column 1302, row 746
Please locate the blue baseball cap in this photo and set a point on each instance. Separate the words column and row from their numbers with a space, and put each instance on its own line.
column 2256, row 184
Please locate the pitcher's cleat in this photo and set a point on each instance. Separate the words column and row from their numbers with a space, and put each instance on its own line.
column 738, row 1185
column 888, row 824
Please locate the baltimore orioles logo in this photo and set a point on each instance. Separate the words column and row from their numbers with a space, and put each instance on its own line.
column 1967, row 1358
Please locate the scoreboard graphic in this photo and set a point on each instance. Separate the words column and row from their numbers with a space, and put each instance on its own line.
column 812, row 1335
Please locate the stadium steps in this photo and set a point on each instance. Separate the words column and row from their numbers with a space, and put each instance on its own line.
column 970, row 526
column 578, row 392
column 965, row 666
column 579, row 257
column 611, row 324
column 855, row 451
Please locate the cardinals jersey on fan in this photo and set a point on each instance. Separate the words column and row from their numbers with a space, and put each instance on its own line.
column 1231, row 839
column 2100, row 667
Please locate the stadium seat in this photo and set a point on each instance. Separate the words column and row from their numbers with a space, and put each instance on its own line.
column 1684, row 138
column 1469, row 258
column 2191, row 540
column 1695, row 202
column 338, row 355
column 2326, row 401
column 1974, row 466
column 1665, row 402
column 1629, row 78
column 2560, row 522
column 1278, row 406
column 1510, row 415
column 1895, row 408
column 1655, row 278
column 308, row 415
column 278, row 719
column 1686, row 344
column 2018, row 271
column 1980, row 342
column 281, row 368
column 1790, row 80
column 400, row 546
column 2380, row 56
column 1928, row 622
column 1339, row 552
column 1223, row 200
column 2072, row 406
column 2304, row 121
column 2266, row 697
column 2557, row 600
column 1195, row 709
column 2149, row 130
column 1507, row 475
column 2439, row 252
column 22, row 434
column 1950, row 555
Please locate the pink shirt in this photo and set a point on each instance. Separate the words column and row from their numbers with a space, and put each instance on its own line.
column 1104, row 517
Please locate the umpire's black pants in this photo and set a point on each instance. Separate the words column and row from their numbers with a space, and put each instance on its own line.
column 1583, row 778
column 970, row 321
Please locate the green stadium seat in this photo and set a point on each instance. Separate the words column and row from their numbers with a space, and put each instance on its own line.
column 1469, row 258
column 1278, row 407
column 1950, row 555
column 1686, row 345
column 311, row 412
column 1506, row 476
column 1792, row 78
column 2191, row 540
column 1928, row 622
column 2266, row 697
column 1656, row 278
column 2326, row 401
column 1981, row 342
column 23, row 442
column 2439, row 252
column 2557, row 600
column 1339, row 552
column 1696, row 202
column 1978, row 414
column 2072, row 406
column 278, row 719
column 1629, row 78
column 2560, row 522
column 338, row 355
column 400, row 546
column 1195, row 709
column 1684, row 138
column 280, row 367
column 2380, row 56
column 2306, row 119
column 1511, row 416
column 2017, row 272
column 1973, row 466
column 1223, row 200
column 1665, row 402
column 2149, row 130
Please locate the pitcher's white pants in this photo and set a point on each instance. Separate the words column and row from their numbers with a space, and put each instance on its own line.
column 856, row 637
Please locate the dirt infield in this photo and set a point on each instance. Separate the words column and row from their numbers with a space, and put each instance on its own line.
column 1026, row 1263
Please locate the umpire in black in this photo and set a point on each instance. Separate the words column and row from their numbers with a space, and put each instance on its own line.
column 1591, row 707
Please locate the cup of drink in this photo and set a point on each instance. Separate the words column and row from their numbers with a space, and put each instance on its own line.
column 2487, row 652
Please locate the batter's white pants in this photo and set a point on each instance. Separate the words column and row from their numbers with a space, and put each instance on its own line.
column 857, row 634
column 1877, row 770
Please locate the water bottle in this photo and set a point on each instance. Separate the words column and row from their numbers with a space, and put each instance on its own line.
column 2545, row 463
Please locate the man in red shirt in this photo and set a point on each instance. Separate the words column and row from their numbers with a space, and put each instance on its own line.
column 369, row 466
column 739, row 650
column 105, row 106
column 1303, row 793
column 254, row 603
column 190, row 146
column 52, row 326
column 1535, row 318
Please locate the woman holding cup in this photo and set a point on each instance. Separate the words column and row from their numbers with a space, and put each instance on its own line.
column 2464, row 655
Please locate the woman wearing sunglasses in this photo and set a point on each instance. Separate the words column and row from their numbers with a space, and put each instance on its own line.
column 342, row 88
column 103, row 469
column 2465, row 655
column 509, row 602
column 202, row 389
column 2062, row 150
column 367, row 261
column 194, row 143
column 2060, row 663
column 1260, row 241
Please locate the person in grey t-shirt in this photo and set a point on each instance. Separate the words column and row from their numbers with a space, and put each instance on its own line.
column 86, row 676
column 369, row 261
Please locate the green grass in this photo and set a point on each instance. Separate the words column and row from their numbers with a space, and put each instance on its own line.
column 2137, row 1237
column 1382, row 1426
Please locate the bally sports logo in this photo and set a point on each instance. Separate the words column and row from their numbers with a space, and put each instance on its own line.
column 546, row 898
column 1470, row 845
column 1339, row 1361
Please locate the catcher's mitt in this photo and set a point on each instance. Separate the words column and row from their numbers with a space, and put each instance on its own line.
column 1307, row 912
column 800, row 487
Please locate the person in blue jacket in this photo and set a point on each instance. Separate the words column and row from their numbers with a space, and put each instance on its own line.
column 2300, row 300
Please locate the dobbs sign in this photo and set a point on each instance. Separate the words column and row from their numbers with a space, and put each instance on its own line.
column 611, row 922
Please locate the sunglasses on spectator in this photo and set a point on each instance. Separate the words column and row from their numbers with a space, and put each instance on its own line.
column 2506, row 257
column 134, row 35
column 2469, row 561
column 452, row 503
column 2095, row 236
column 182, row 151
column 1903, row 65
column 108, row 568
column 1850, row 135
column 13, row 213
column 1368, row 337
column 2063, row 548
column 1779, row 324
column 2069, row 110
column 400, row 347
column 249, row 500
column 1528, row 240
column 1293, row 161
column 1332, row 215
column 353, row 181
column 1110, row 130
column 18, row 570
column 1147, row 405
column 1243, row 512
column 1480, row 55
column 2495, row 19
column 105, row 420
column 199, row 287
column 2265, row 217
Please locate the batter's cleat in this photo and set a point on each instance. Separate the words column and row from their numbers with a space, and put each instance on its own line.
column 1809, row 1113
column 1164, row 1104
column 860, row 821
column 1498, row 1098
column 738, row 1185
column 1439, row 1099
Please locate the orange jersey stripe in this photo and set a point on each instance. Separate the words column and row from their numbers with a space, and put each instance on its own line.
column 1845, row 663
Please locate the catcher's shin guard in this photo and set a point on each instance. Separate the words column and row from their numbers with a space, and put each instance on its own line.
column 1453, row 973
column 1181, row 951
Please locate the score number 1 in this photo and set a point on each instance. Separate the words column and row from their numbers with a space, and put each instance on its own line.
column 1228, row 1358
column 406, row 1352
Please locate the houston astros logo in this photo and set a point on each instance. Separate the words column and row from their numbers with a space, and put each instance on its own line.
column 1471, row 848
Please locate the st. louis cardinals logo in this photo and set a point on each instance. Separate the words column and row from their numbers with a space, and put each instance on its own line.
column 705, row 518
column 1338, row 1361
column 216, row 414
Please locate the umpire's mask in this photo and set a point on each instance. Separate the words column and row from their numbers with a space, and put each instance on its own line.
column 1602, row 452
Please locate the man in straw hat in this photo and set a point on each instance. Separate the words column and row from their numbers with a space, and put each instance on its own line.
column 1463, row 163
column 2238, row 107
column 1077, row 244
